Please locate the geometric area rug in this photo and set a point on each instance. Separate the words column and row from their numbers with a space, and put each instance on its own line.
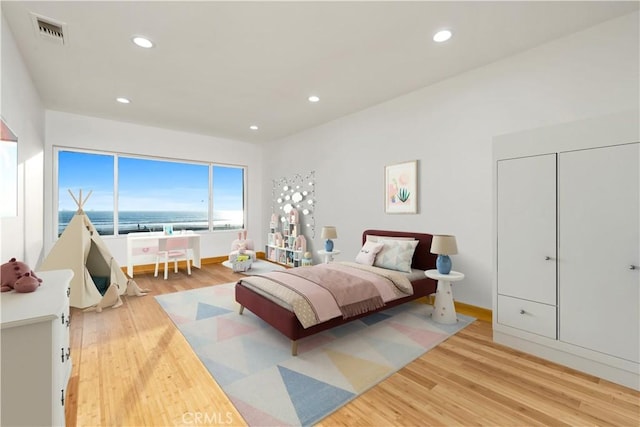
column 252, row 362
column 257, row 267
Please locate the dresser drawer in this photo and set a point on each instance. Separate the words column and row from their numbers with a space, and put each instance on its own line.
column 528, row 316
column 34, row 352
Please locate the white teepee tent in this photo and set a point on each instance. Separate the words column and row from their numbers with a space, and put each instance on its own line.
column 98, row 281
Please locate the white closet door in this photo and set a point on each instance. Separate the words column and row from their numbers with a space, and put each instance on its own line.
column 527, row 228
column 599, row 295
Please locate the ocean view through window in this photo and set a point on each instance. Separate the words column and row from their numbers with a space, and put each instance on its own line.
column 149, row 193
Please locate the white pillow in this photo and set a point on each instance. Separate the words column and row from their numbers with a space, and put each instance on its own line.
column 374, row 238
column 368, row 253
column 396, row 255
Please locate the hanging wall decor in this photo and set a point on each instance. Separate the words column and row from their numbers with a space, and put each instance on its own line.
column 401, row 188
column 296, row 192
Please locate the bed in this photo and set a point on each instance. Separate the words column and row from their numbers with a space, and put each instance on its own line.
column 282, row 317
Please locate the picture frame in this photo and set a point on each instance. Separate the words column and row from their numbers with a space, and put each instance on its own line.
column 401, row 188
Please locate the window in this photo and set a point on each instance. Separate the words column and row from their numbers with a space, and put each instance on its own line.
column 228, row 197
column 131, row 194
column 87, row 172
column 152, row 193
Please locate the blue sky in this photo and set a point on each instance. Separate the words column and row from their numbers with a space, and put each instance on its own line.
column 146, row 184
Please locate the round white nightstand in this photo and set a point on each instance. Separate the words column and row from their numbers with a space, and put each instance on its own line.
column 443, row 310
column 328, row 256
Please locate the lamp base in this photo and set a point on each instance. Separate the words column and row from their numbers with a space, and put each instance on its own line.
column 328, row 245
column 443, row 264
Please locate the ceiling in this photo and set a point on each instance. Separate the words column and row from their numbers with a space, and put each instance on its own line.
column 219, row 67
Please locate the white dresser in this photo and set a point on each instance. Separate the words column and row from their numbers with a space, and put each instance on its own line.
column 36, row 360
column 567, row 245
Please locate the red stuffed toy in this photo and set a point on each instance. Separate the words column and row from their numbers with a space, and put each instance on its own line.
column 18, row 276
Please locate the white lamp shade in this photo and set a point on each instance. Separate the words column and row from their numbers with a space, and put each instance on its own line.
column 443, row 244
column 329, row 232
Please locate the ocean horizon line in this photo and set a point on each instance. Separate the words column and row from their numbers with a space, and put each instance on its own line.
column 132, row 221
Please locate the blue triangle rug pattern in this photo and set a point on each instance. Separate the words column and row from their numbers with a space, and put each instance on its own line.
column 252, row 362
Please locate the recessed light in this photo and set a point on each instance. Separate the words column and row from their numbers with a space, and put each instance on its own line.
column 123, row 100
column 143, row 42
column 442, row 36
column 253, row 127
column 314, row 98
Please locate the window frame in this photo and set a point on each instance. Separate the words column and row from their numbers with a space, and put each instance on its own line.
column 116, row 156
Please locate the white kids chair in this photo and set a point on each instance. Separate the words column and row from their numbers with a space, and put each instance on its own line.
column 175, row 248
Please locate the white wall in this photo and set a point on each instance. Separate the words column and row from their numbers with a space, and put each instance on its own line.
column 448, row 128
column 21, row 236
column 75, row 131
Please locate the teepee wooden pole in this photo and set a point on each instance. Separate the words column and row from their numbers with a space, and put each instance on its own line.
column 74, row 198
column 79, row 201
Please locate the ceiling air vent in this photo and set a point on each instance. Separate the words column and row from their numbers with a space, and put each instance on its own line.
column 49, row 29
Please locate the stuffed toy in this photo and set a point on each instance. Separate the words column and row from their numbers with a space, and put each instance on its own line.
column 242, row 247
column 28, row 282
column 18, row 276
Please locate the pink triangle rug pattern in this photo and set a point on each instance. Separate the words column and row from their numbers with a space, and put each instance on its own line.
column 252, row 362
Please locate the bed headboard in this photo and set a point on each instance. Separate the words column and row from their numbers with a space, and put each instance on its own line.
column 422, row 258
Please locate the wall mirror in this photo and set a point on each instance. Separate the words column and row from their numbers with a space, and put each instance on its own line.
column 8, row 171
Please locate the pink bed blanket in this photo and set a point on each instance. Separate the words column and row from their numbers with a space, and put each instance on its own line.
column 352, row 293
column 328, row 286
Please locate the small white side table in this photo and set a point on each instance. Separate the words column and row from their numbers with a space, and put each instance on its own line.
column 443, row 310
column 328, row 256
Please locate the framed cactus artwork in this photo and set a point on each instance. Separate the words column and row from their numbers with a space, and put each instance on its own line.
column 401, row 188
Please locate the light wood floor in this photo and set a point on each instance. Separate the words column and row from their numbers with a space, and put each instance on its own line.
column 131, row 367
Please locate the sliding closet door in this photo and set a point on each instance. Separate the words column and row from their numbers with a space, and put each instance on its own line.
column 598, row 231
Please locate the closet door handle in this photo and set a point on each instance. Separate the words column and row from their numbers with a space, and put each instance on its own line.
column 547, row 258
column 633, row 267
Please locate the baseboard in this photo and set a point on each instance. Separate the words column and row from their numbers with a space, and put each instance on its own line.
column 479, row 313
column 151, row 268
column 610, row 368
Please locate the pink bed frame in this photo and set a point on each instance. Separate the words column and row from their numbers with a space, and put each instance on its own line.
column 288, row 324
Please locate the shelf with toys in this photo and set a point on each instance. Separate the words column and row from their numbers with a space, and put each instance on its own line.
column 285, row 244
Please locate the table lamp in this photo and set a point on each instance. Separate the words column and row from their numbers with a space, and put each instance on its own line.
column 444, row 245
column 329, row 232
